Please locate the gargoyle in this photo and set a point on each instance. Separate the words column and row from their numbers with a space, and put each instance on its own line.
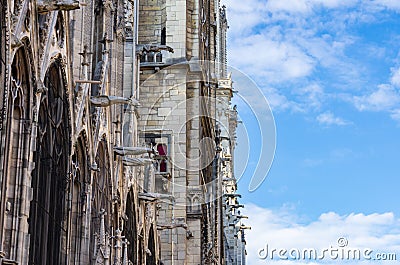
column 45, row 6
column 106, row 101
column 121, row 150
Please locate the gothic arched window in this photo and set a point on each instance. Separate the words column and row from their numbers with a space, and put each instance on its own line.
column 163, row 36
column 130, row 230
column 17, row 136
column 101, row 199
column 98, row 36
column 151, row 246
column 47, row 224
column 79, row 199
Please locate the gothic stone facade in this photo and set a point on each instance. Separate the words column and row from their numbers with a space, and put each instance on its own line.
column 89, row 167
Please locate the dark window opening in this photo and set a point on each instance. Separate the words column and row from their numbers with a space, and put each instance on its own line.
column 130, row 231
column 78, row 198
column 164, row 36
column 159, row 57
column 46, row 222
column 150, row 57
column 151, row 257
column 143, row 57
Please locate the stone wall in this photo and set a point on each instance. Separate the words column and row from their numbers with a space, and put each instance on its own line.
column 86, row 197
column 80, row 91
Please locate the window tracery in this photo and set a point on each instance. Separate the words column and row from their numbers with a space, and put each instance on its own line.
column 47, row 224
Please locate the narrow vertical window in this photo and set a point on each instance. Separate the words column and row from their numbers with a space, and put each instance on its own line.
column 17, row 128
column 164, row 36
column 46, row 222
column 151, row 256
column 130, row 231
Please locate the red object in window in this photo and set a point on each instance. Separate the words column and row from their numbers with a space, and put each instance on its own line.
column 162, row 149
column 163, row 166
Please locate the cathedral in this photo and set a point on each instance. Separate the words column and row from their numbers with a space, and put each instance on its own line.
column 117, row 134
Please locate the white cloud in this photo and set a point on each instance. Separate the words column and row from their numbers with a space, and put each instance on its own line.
column 283, row 229
column 395, row 79
column 395, row 115
column 335, row 3
column 383, row 99
column 327, row 118
column 306, row 6
column 275, row 60
column 285, row 45
column 277, row 47
column 244, row 15
column 292, row 6
column 265, row 42
column 311, row 97
column 277, row 101
column 389, row 4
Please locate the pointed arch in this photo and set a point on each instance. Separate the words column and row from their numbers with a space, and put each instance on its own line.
column 130, row 229
column 101, row 198
column 151, row 255
column 47, row 222
column 19, row 104
column 80, row 179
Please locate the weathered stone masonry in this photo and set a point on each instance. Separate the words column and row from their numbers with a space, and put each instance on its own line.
column 112, row 117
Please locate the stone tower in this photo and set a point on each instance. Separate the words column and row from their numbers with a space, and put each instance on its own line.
column 186, row 115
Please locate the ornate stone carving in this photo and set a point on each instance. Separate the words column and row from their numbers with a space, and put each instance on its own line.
column 59, row 33
column 129, row 18
column 81, row 91
column 102, row 252
column 44, row 25
column 149, row 213
column 109, row 5
column 17, row 12
column 195, row 198
column 15, row 42
column 118, row 246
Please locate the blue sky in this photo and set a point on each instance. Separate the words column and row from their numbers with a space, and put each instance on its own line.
column 330, row 71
